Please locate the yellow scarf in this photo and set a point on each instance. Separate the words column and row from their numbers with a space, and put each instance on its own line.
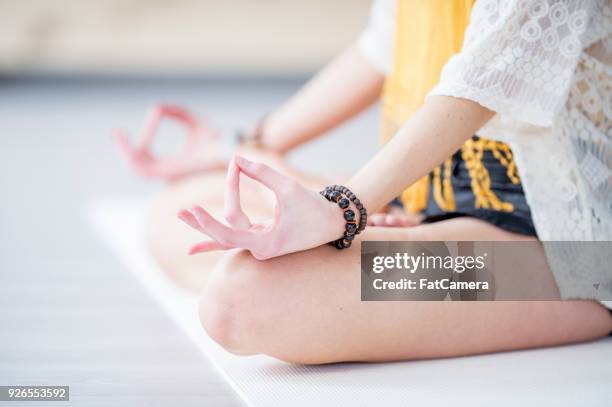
column 427, row 34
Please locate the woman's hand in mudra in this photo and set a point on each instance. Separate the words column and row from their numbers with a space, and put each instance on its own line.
column 303, row 219
column 201, row 151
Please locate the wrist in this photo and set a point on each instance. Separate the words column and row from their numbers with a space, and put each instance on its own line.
column 334, row 220
column 253, row 137
column 274, row 136
column 262, row 136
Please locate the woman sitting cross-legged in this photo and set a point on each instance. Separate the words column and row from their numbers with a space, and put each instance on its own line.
column 494, row 130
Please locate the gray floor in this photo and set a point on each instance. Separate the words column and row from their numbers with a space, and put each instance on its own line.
column 69, row 313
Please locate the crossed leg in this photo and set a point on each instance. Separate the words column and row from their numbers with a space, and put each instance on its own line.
column 306, row 308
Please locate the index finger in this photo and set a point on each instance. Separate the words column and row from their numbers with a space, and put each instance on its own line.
column 271, row 178
column 228, row 236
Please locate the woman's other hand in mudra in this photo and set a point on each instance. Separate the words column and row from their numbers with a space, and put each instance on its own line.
column 201, row 151
column 303, row 219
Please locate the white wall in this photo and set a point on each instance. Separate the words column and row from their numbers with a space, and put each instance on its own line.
column 242, row 37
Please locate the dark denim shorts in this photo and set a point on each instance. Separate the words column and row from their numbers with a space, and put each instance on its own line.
column 517, row 221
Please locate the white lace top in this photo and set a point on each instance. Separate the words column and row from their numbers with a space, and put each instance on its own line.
column 545, row 68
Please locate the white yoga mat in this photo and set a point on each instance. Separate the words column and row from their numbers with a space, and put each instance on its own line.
column 563, row 376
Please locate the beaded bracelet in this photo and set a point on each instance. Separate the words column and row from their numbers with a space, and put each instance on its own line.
column 254, row 138
column 343, row 197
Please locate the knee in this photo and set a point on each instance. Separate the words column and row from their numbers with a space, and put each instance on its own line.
column 232, row 303
column 253, row 307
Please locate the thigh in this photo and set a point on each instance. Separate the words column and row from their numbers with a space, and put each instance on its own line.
column 306, row 308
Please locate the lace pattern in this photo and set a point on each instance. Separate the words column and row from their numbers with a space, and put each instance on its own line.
column 545, row 68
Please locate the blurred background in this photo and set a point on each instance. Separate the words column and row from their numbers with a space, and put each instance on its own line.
column 70, row 72
column 268, row 38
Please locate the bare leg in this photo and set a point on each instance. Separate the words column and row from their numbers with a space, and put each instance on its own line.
column 170, row 239
column 306, row 308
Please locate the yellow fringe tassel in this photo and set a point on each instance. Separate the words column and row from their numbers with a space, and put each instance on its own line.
column 472, row 152
column 415, row 198
column 443, row 190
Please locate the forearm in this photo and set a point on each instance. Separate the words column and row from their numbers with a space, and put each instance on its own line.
column 435, row 132
column 304, row 219
column 341, row 90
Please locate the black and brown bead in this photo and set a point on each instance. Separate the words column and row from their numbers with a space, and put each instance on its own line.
column 363, row 214
column 343, row 197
